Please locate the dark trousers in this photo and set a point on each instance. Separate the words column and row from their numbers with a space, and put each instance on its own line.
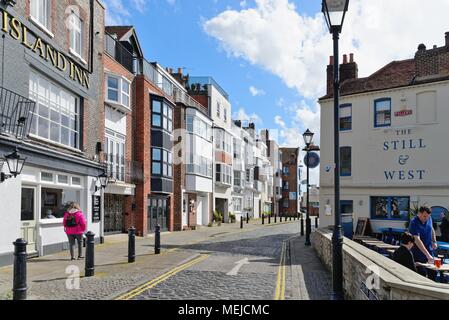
column 78, row 238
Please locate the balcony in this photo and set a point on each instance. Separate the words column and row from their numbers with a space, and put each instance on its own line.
column 121, row 170
column 16, row 113
column 117, row 51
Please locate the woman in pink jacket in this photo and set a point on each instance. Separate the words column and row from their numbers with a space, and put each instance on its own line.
column 74, row 226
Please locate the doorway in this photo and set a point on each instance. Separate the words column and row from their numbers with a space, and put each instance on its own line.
column 158, row 213
column 114, row 207
column 28, row 219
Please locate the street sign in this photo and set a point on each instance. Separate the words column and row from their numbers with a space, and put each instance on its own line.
column 96, row 208
column 313, row 161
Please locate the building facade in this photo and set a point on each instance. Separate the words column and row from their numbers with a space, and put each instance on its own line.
column 275, row 157
column 52, row 110
column 393, row 141
column 290, row 182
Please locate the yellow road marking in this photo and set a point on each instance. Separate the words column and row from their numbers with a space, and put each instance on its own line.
column 161, row 278
column 280, row 286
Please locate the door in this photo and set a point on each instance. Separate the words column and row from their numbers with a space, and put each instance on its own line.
column 114, row 207
column 347, row 224
column 158, row 213
column 199, row 211
column 28, row 218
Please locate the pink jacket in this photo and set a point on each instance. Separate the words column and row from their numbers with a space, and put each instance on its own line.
column 80, row 220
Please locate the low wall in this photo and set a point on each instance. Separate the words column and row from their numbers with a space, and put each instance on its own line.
column 391, row 282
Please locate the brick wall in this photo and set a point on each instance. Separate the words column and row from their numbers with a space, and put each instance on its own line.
column 179, row 167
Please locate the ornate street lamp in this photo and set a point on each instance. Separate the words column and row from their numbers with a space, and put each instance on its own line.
column 308, row 140
column 104, row 181
column 15, row 165
column 334, row 12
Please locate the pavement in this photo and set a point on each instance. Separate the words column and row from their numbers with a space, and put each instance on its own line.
column 220, row 263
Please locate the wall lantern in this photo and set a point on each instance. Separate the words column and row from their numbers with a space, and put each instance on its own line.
column 15, row 165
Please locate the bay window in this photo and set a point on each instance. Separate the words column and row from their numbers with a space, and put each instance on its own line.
column 162, row 115
column 162, row 163
column 115, row 153
column 223, row 173
column 57, row 114
column 118, row 91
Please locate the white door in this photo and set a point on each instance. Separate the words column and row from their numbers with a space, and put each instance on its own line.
column 199, row 211
column 205, row 210
column 28, row 230
column 184, row 210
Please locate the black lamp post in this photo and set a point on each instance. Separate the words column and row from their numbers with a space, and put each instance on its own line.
column 104, row 181
column 334, row 12
column 15, row 165
column 308, row 137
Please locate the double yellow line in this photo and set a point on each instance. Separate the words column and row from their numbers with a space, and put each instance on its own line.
column 161, row 278
column 280, row 286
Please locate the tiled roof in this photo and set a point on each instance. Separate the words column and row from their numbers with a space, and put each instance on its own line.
column 393, row 75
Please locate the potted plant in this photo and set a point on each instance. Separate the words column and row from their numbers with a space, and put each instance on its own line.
column 218, row 217
column 232, row 217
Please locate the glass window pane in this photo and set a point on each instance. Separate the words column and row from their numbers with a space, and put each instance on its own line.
column 157, row 154
column 156, row 168
column 113, row 83
column 157, row 106
column 65, row 136
column 156, row 120
column 54, row 132
column 112, row 95
column 43, row 127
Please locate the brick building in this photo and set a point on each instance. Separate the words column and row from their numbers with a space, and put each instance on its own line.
column 394, row 120
column 290, row 181
column 51, row 109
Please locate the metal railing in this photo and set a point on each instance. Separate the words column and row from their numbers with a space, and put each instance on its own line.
column 122, row 55
column 16, row 113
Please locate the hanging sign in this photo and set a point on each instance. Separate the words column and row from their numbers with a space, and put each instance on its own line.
column 313, row 161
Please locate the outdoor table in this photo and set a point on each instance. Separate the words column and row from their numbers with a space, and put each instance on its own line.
column 444, row 268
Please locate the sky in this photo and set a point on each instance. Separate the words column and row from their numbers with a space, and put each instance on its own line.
column 270, row 56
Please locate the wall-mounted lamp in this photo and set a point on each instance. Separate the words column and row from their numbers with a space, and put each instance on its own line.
column 104, row 181
column 15, row 165
column 361, row 203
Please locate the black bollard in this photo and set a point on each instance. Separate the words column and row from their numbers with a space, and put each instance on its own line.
column 157, row 240
column 269, row 219
column 263, row 219
column 247, row 217
column 280, row 218
column 241, row 222
column 316, row 222
column 290, row 218
column 131, row 245
column 275, row 218
column 20, row 270
column 90, row 256
column 302, row 226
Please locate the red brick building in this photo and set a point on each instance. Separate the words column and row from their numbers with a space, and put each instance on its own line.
column 290, row 182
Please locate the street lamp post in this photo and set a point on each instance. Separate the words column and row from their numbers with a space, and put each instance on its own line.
column 104, row 181
column 334, row 12
column 308, row 137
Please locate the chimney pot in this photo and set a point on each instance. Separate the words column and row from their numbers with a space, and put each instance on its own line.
column 345, row 58
column 447, row 38
column 180, row 71
column 331, row 60
column 351, row 58
column 421, row 47
column 434, row 46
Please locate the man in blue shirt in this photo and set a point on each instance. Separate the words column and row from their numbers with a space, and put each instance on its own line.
column 421, row 227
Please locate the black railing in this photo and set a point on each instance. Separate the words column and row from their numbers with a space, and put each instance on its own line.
column 120, row 169
column 122, row 55
column 16, row 113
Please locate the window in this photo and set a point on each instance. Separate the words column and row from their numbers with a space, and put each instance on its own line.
column 390, row 208
column 237, row 204
column 118, row 90
column 57, row 112
column 225, row 113
column 54, row 202
column 223, row 141
column 63, row 179
column 40, row 12
column 382, row 112
column 199, row 165
column 162, row 163
column 115, row 154
column 437, row 213
column 237, row 178
column 48, row 177
column 199, row 127
column 223, row 173
column 286, row 171
column 286, row 203
column 285, row 185
column 162, row 115
column 346, row 206
column 76, row 181
column 345, row 161
column 218, row 109
column 76, row 35
column 345, row 117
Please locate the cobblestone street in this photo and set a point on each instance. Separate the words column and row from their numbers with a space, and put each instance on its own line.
column 220, row 263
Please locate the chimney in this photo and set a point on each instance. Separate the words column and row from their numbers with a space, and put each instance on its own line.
column 238, row 123
column 348, row 70
column 330, row 76
column 447, row 38
column 180, row 71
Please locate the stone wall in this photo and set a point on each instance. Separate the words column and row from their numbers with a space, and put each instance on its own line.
column 369, row 275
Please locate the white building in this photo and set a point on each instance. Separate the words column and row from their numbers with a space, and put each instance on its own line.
column 393, row 139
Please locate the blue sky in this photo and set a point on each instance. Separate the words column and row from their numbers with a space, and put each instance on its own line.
column 172, row 33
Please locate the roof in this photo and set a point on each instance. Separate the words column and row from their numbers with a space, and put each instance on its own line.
column 393, row 75
column 120, row 31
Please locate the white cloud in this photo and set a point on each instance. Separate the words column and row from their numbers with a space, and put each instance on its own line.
column 296, row 47
column 243, row 3
column 116, row 13
column 171, row 2
column 140, row 5
column 256, row 92
column 242, row 115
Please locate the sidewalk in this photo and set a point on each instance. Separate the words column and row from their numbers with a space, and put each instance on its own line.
column 309, row 279
column 47, row 276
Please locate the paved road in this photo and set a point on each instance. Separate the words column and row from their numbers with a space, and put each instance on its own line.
column 242, row 266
